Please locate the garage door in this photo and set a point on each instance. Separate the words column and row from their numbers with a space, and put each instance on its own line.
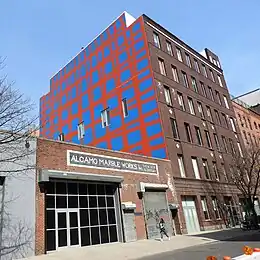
column 81, row 214
column 156, row 207
column 190, row 214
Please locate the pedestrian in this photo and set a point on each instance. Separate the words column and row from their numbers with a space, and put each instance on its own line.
column 162, row 229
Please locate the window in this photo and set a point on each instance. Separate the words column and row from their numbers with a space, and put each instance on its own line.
column 169, row 48
column 226, row 101
column 224, row 119
column 205, row 208
column 175, row 74
column 209, row 144
column 211, row 93
column 125, row 107
column 197, row 68
column 250, row 138
column 81, row 130
column 61, row 137
column 239, row 149
column 224, row 141
column 188, row 59
column 232, row 148
column 249, row 123
column 255, row 125
column 105, row 118
column 167, row 95
column 212, row 75
column 179, row 56
column 200, row 109
column 215, row 207
column 198, row 134
column 206, row 169
column 218, row 97
column 215, row 170
column 185, row 79
column 194, row 84
column 245, row 121
column 209, row 113
column 245, row 136
column 191, row 106
column 203, row 89
column 217, row 116
column 175, row 131
column 204, row 70
column 240, row 120
column 255, row 139
column 224, row 172
column 180, row 100
column 216, row 141
column 156, row 40
column 220, row 81
column 232, row 122
column 188, row 132
column 181, row 165
column 195, row 166
column 162, row 66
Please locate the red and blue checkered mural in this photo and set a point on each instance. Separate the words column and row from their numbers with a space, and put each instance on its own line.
column 115, row 66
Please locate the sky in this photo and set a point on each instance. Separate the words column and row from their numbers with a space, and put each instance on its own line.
column 37, row 38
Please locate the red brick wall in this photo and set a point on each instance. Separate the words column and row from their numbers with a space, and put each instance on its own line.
column 52, row 155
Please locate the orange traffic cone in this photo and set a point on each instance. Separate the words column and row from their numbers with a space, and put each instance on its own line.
column 226, row 258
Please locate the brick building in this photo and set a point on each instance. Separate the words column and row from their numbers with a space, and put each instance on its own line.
column 137, row 88
column 88, row 196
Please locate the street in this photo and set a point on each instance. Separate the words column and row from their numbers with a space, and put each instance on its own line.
column 231, row 247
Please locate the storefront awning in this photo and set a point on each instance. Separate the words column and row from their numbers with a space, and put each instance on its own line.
column 45, row 175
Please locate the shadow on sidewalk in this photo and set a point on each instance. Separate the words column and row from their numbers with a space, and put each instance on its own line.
column 235, row 234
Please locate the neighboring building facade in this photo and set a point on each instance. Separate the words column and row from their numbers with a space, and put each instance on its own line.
column 88, row 196
column 139, row 89
column 17, row 196
column 248, row 121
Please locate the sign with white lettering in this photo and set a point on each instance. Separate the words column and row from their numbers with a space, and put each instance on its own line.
column 109, row 163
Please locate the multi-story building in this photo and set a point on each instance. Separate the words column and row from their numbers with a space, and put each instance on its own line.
column 137, row 88
column 248, row 118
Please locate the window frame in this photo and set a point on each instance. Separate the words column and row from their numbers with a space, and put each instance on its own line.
column 125, row 108
column 155, row 39
column 162, row 68
column 200, row 109
column 194, row 84
column 196, row 170
column 81, row 130
column 215, row 170
column 169, row 48
column 206, row 170
column 175, row 130
column 105, row 117
column 181, row 164
column 181, row 101
column 216, row 141
column 204, row 69
column 179, row 54
column 188, row 60
column 188, row 132
column 191, row 106
column 167, row 95
column 185, row 79
column 208, row 139
column 199, row 136
column 196, row 65
column 205, row 208
column 61, row 137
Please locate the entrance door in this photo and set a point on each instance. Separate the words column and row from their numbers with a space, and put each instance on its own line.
column 129, row 225
column 190, row 214
column 67, row 228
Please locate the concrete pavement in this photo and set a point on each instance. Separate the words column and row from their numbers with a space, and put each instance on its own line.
column 139, row 249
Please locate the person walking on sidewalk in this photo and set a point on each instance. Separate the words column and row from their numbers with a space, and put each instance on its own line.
column 162, row 229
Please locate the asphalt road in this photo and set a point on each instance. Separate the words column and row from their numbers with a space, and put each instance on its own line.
column 232, row 247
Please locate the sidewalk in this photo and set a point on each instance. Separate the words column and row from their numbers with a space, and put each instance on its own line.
column 139, row 249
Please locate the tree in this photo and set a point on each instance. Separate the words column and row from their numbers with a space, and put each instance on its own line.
column 245, row 174
column 17, row 164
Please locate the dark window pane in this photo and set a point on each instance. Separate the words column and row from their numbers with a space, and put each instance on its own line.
column 111, row 216
column 92, row 201
column 100, row 189
column 49, row 188
column 104, row 235
column 83, row 189
column 85, row 237
column 95, row 235
column 84, row 220
column 92, row 189
column 50, row 219
column 110, row 189
column 61, row 188
column 50, row 201
column 73, row 219
column 74, row 236
column 110, row 201
column 62, row 220
column 73, row 202
column 72, row 188
column 61, row 202
column 93, row 217
column 62, row 237
column 113, row 233
column 102, row 202
column 51, row 241
column 102, row 217
column 83, row 202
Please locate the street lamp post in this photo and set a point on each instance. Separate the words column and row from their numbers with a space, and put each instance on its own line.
column 2, row 183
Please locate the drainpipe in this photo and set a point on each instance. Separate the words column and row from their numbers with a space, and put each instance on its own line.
column 2, row 183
